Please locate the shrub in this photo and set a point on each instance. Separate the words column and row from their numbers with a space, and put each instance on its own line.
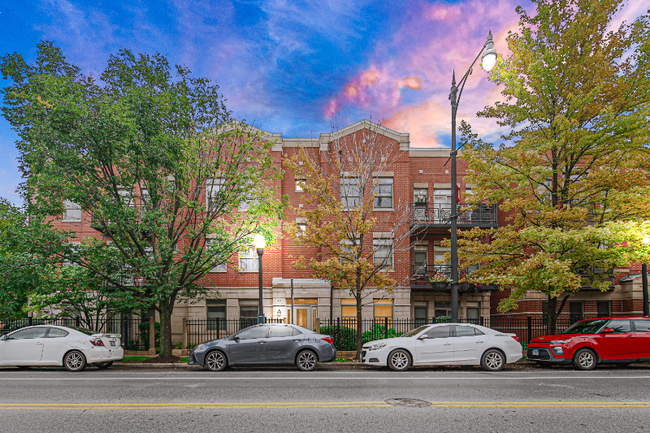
column 144, row 333
column 378, row 332
column 347, row 339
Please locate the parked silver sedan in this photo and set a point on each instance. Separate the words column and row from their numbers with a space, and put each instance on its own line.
column 268, row 344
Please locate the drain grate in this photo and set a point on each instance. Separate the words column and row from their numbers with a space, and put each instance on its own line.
column 408, row 402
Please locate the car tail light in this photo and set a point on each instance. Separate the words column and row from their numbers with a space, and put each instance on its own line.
column 516, row 338
column 97, row 342
column 330, row 340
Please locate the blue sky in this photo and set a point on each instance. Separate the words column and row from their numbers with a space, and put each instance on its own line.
column 287, row 65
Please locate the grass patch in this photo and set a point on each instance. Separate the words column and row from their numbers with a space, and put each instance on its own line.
column 136, row 359
column 184, row 359
column 339, row 359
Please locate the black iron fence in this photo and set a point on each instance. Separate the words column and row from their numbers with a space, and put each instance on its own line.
column 134, row 332
column 202, row 330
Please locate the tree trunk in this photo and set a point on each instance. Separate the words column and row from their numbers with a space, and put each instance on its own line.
column 359, row 327
column 166, row 330
column 552, row 315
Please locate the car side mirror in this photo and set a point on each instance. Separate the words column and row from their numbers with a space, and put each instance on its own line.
column 235, row 338
column 607, row 331
column 423, row 337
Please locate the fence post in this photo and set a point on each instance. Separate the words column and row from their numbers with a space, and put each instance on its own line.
column 318, row 325
column 433, row 321
column 77, row 321
column 152, row 336
column 338, row 330
column 385, row 327
column 218, row 329
column 530, row 329
column 184, row 333
column 125, row 332
column 30, row 320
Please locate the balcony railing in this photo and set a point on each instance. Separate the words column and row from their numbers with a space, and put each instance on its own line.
column 440, row 214
column 438, row 277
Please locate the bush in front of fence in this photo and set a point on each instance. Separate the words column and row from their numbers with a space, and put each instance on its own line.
column 346, row 339
column 378, row 332
column 144, row 333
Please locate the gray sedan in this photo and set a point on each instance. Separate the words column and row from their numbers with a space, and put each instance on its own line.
column 269, row 344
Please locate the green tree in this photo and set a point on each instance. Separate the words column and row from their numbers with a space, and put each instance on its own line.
column 341, row 189
column 573, row 167
column 141, row 152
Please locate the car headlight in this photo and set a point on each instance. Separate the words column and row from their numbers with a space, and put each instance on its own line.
column 377, row 346
column 558, row 350
column 560, row 341
column 200, row 347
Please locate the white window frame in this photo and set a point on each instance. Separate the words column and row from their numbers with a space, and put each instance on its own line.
column 298, row 186
column 379, row 244
column 70, row 212
column 248, row 259
column 248, row 198
column 376, row 196
column 126, row 197
column 347, row 192
column 220, row 267
column 212, row 188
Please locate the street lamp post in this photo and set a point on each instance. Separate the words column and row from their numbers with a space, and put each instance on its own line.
column 259, row 243
column 488, row 61
column 644, row 282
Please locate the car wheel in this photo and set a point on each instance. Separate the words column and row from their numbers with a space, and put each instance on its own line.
column 216, row 361
column 306, row 360
column 399, row 360
column 584, row 359
column 493, row 360
column 104, row 365
column 74, row 361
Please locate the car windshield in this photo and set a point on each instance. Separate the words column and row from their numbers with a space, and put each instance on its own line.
column 416, row 331
column 585, row 327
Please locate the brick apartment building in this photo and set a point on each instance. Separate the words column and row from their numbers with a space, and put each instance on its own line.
column 417, row 173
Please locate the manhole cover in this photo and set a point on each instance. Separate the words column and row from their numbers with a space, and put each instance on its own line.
column 408, row 402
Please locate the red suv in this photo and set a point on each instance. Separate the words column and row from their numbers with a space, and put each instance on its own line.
column 620, row 340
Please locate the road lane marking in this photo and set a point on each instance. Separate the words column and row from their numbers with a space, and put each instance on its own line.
column 312, row 378
column 316, row 405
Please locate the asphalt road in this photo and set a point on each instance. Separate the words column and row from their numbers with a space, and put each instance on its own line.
column 284, row 400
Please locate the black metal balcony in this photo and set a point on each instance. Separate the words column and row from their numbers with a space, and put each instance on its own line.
column 439, row 215
column 438, row 277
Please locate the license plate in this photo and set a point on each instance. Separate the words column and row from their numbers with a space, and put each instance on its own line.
column 536, row 352
column 112, row 343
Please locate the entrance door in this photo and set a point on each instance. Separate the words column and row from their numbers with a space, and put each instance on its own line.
column 305, row 316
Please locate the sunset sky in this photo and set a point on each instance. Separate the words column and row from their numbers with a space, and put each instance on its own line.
column 286, row 66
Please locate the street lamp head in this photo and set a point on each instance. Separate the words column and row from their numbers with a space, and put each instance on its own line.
column 259, row 241
column 489, row 58
column 646, row 240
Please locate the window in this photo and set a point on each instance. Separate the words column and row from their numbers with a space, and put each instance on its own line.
column 213, row 189
column 420, row 312
column 350, row 192
column 604, row 308
column 125, row 196
column 145, row 198
column 248, row 197
column 254, row 333
column 282, row 331
column 439, row 332
column 442, row 309
column 441, row 205
column 383, row 193
column 576, row 309
column 420, row 260
column 300, row 183
column 465, row 331
column 473, row 314
column 216, row 309
column 218, row 267
column 72, row 212
column 619, row 326
column 302, row 228
column 28, row 334
column 57, row 333
column 248, row 308
column 248, row 260
column 420, row 195
column 383, row 252
column 349, row 308
column 642, row 325
column 384, row 309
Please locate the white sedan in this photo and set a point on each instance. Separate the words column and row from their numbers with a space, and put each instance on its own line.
column 445, row 344
column 72, row 348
